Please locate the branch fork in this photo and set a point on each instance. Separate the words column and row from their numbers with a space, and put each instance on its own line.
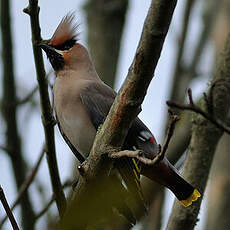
column 141, row 156
column 206, row 114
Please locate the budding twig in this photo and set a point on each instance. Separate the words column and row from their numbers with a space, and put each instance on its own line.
column 140, row 155
column 192, row 107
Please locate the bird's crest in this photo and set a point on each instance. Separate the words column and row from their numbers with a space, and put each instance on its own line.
column 66, row 34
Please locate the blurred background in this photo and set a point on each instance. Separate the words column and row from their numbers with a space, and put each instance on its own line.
column 111, row 30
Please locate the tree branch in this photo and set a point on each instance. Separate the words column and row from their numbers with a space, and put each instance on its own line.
column 205, row 137
column 9, row 113
column 50, row 202
column 47, row 117
column 140, row 155
column 7, row 209
column 206, row 114
column 24, row 187
column 177, row 89
column 28, row 96
column 125, row 108
column 105, row 20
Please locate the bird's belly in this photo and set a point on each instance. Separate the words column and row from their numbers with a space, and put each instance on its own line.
column 79, row 130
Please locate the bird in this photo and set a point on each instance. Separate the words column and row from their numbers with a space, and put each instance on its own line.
column 81, row 103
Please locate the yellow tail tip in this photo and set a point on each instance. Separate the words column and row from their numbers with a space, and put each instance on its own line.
column 193, row 197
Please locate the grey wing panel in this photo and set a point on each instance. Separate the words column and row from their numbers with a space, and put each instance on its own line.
column 97, row 99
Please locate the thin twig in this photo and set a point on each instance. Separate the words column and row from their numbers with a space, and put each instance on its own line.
column 125, row 108
column 50, row 202
column 24, row 187
column 8, row 210
column 5, row 149
column 28, row 96
column 192, row 107
column 140, row 155
column 170, row 131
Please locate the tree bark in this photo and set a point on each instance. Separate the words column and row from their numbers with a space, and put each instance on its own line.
column 126, row 106
column 205, row 137
column 106, row 19
column 219, row 192
column 9, row 113
column 47, row 113
column 219, row 202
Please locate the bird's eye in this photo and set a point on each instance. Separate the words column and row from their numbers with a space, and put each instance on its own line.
column 66, row 45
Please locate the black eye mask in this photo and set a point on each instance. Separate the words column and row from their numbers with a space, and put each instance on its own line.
column 66, row 45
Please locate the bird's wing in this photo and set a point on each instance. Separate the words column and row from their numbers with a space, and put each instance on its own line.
column 97, row 99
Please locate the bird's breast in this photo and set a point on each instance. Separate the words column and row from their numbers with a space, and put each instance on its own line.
column 73, row 118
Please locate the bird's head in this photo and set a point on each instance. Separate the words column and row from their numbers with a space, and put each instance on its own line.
column 63, row 50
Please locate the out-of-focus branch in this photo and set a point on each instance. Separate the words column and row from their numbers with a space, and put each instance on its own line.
column 47, row 117
column 219, row 192
column 28, row 96
column 50, row 202
column 24, row 187
column 8, row 210
column 106, row 19
column 9, row 113
column 126, row 106
column 182, row 134
column 205, row 137
column 177, row 92
column 180, row 139
column 212, row 8
column 219, row 180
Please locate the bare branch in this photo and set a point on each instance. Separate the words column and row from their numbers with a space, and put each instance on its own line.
column 205, row 136
column 179, row 82
column 192, row 107
column 7, row 209
column 5, row 149
column 24, row 187
column 47, row 116
column 9, row 112
column 140, row 155
column 28, row 96
column 50, row 202
column 125, row 108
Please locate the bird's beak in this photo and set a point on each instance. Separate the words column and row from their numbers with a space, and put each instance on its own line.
column 55, row 56
column 48, row 49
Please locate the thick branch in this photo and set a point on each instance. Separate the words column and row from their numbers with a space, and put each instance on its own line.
column 125, row 108
column 106, row 19
column 47, row 117
column 205, row 137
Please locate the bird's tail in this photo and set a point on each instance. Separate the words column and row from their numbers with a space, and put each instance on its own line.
column 130, row 174
column 166, row 174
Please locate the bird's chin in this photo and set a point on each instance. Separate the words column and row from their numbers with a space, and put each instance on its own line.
column 57, row 62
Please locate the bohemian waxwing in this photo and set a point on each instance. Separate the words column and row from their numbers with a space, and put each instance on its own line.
column 82, row 101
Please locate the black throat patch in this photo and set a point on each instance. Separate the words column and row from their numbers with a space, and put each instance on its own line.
column 57, row 61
